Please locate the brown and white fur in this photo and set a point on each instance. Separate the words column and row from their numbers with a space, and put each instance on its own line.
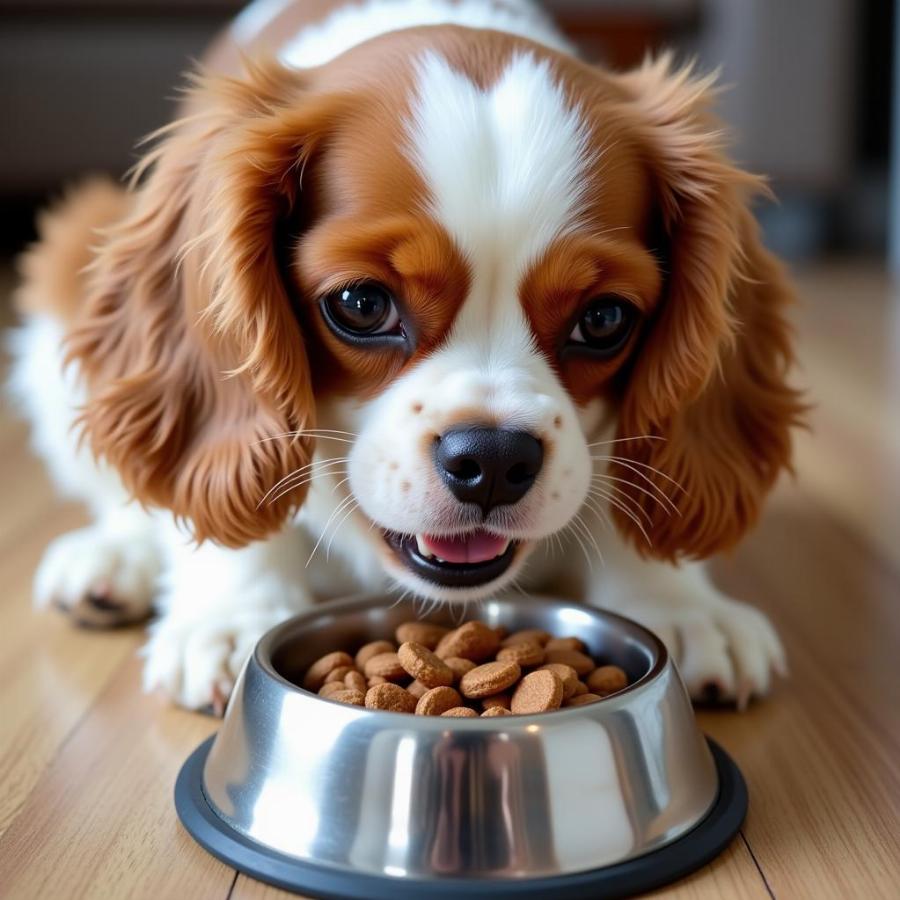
column 176, row 367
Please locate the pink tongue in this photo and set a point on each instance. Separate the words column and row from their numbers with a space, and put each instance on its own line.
column 472, row 548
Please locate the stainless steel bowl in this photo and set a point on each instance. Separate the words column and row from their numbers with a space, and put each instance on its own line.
column 341, row 801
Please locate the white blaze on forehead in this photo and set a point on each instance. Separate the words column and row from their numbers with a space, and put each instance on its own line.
column 505, row 169
column 505, row 166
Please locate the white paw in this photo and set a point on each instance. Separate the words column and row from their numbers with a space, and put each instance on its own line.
column 98, row 578
column 725, row 650
column 196, row 656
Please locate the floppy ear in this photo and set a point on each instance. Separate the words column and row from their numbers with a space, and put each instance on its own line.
column 709, row 386
column 193, row 360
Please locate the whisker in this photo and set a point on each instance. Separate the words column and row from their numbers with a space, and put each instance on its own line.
column 308, row 466
column 428, row 607
column 337, row 510
column 337, row 528
column 627, row 512
column 297, row 472
column 657, row 497
column 325, row 473
column 400, row 598
column 590, row 536
column 621, row 460
column 575, row 535
column 594, row 504
column 343, row 481
column 600, row 490
column 640, row 437
column 323, row 433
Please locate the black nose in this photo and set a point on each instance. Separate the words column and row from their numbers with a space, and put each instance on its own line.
column 488, row 466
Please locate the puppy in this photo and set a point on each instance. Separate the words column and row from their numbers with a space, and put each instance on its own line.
column 410, row 298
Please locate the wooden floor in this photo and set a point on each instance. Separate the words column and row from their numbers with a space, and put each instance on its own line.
column 87, row 762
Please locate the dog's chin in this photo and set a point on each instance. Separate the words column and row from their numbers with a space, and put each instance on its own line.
column 413, row 563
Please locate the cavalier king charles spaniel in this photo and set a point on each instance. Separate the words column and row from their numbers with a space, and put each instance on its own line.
column 410, row 298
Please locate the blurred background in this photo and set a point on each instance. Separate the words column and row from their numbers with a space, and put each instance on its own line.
column 809, row 97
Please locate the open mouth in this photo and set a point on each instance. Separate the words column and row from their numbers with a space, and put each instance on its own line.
column 468, row 560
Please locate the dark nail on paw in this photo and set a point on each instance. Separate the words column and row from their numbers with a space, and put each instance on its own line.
column 103, row 602
column 712, row 692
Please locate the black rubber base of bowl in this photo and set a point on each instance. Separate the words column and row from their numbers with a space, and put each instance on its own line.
column 703, row 843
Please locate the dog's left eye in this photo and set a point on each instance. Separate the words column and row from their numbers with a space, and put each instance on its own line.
column 605, row 325
column 362, row 310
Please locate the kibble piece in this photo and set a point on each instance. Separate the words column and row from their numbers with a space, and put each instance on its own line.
column 390, row 697
column 349, row 696
column 579, row 661
column 495, row 711
column 525, row 653
column 490, row 678
column 580, row 688
column 420, row 633
column 539, row 691
column 387, row 665
column 459, row 666
column 333, row 687
column 461, row 712
column 367, row 651
column 356, row 681
column 437, row 701
column 566, row 643
column 502, row 700
column 474, row 641
column 320, row 669
column 527, row 636
column 417, row 689
column 583, row 700
column 375, row 679
column 424, row 665
column 501, row 631
column 569, row 678
column 607, row 680
column 338, row 674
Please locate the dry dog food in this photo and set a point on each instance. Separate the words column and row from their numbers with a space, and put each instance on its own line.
column 470, row 671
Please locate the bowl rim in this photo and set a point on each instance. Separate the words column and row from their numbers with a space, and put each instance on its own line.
column 262, row 656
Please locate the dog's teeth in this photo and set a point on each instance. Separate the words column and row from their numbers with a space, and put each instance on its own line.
column 423, row 550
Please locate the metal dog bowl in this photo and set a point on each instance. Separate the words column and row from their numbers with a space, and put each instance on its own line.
column 606, row 799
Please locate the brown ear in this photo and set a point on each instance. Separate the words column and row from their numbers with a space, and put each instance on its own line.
column 708, row 403
column 193, row 360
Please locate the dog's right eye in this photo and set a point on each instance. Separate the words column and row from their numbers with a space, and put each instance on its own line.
column 361, row 311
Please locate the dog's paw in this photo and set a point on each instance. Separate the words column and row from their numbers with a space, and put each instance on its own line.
column 725, row 651
column 196, row 660
column 99, row 579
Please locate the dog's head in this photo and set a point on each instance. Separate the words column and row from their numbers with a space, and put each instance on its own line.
column 486, row 284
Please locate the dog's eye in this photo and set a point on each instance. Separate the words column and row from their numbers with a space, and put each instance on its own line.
column 363, row 310
column 605, row 324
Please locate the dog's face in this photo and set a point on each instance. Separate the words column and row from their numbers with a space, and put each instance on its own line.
column 470, row 268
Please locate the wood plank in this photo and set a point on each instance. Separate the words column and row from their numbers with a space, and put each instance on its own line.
column 733, row 874
column 101, row 821
column 50, row 672
column 246, row 888
column 822, row 757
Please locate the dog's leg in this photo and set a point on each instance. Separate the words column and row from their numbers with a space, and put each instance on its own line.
column 105, row 574
column 216, row 603
column 725, row 650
